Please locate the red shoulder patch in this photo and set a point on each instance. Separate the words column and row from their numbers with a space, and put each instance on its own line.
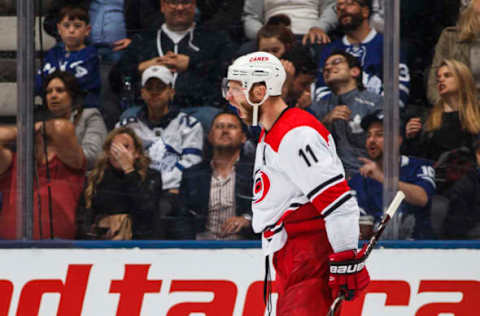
column 290, row 119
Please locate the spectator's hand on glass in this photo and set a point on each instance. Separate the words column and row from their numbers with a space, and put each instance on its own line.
column 370, row 169
column 121, row 44
column 315, row 35
column 176, row 62
column 340, row 112
column 413, row 127
column 234, row 224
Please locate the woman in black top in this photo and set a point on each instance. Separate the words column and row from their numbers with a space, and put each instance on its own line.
column 452, row 125
column 122, row 192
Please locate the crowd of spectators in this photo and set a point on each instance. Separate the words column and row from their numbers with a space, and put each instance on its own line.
column 138, row 142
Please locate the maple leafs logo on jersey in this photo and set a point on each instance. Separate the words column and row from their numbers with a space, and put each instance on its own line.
column 261, row 186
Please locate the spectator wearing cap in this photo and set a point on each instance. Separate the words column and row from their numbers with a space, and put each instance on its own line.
column 196, row 56
column 416, row 180
column 343, row 110
column 173, row 139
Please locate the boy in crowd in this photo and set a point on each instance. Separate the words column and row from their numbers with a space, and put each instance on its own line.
column 73, row 55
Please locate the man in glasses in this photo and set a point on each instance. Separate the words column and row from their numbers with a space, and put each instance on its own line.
column 196, row 56
column 174, row 140
column 363, row 42
column 343, row 109
column 216, row 194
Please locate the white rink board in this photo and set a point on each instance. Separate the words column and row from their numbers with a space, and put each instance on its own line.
column 215, row 282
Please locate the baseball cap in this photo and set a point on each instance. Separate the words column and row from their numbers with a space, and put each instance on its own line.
column 159, row 72
column 371, row 118
column 378, row 116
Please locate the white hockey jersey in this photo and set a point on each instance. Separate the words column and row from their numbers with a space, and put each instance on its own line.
column 297, row 171
column 174, row 144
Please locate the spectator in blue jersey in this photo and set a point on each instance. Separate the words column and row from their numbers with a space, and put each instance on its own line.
column 172, row 139
column 196, row 56
column 416, row 180
column 363, row 42
column 73, row 55
column 343, row 110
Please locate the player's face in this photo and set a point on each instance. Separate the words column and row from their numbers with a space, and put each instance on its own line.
column 73, row 33
column 236, row 97
column 127, row 142
column 447, row 84
column 350, row 14
column 59, row 101
column 271, row 45
column 179, row 14
column 226, row 132
column 374, row 142
column 156, row 94
column 336, row 70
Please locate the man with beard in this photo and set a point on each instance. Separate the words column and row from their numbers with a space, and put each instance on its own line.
column 416, row 180
column 342, row 111
column 196, row 56
column 216, row 193
column 366, row 44
column 302, row 203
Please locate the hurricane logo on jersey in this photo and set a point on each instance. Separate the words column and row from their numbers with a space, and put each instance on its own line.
column 261, row 186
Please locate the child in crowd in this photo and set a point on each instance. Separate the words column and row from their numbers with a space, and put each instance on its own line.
column 73, row 55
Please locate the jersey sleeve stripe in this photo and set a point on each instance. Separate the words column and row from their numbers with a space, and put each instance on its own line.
column 192, row 151
column 329, row 196
column 337, row 204
column 323, row 185
column 170, row 149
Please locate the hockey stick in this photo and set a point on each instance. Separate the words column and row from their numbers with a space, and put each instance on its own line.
column 392, row 208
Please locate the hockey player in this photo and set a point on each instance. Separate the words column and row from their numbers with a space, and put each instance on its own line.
column 302, row 203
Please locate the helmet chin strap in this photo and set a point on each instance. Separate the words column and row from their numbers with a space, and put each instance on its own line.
column 255, row 107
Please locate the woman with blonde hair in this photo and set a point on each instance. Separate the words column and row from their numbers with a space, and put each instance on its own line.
column 121, row 194
column 460, row 42
column 453, row 123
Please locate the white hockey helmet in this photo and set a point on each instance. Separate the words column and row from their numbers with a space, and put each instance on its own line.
column 256, row 68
